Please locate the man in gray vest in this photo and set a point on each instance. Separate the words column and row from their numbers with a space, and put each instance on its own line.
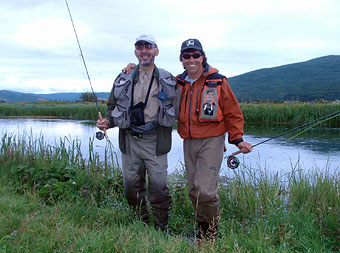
column 144, row 105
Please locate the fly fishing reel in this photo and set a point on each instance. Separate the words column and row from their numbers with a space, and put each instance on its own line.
column 233, row 162
column 100, row 135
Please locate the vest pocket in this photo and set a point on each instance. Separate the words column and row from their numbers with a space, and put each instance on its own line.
column 209, row 104
column 167, row 116
column 168, row 87
column 121, row 88
column 120, row 116
column 209, row 109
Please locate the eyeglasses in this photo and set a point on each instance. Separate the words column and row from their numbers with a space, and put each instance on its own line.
column 195, row 56
column 146, row 46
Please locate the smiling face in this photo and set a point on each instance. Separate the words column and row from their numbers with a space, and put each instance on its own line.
column 192, row 61
column 146, row 53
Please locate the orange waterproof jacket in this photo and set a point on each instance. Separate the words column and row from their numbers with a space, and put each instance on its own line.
column 209, row 108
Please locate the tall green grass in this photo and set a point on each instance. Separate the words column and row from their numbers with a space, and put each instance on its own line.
column 293, row 114
column 52, row 199
column 264, row 114
column 77, row 111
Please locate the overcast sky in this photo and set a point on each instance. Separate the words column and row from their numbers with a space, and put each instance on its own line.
column 39, row 51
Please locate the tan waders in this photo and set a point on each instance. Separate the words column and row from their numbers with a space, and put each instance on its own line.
column 139, row 162
column 203, row 159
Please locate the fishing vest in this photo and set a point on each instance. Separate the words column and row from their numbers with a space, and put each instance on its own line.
column 121, row 114
column 207, row 100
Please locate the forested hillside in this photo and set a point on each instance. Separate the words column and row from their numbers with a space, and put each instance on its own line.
column 314, row 79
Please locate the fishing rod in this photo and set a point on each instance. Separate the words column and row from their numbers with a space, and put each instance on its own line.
column 99, row 135
column 233, row 162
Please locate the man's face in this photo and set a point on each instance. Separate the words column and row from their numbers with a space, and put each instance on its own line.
column 146, row 53
column 192, row 61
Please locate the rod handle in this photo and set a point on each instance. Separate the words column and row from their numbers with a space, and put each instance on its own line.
column 236, row 153
column 101, row 117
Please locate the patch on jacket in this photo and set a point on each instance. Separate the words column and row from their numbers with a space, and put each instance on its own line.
column 121, row 80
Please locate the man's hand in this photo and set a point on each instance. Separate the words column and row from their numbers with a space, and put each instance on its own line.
column 245, row 147
column 128, row 69
column 103, row 124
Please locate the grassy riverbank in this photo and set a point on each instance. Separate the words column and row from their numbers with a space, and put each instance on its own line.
column 52, row 199
column 290, row 114
column 76, row 111
column 263, row 114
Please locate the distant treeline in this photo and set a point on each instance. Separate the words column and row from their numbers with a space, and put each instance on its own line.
column 255, row 114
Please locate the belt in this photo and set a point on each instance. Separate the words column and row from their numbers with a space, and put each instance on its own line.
column 136, row 134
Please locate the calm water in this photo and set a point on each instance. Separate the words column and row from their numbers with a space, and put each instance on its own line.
column 316, row 150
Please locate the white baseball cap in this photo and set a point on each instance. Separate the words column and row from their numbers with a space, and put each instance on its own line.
column 148, row 38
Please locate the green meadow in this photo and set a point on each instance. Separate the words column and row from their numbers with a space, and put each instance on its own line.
column 52, row 199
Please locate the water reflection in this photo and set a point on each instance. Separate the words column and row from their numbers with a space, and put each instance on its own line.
column 315, row 149
column 322, row 140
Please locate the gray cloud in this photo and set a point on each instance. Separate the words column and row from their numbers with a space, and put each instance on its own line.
column 39, row 52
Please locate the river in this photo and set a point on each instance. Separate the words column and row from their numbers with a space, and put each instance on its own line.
column 317, row 150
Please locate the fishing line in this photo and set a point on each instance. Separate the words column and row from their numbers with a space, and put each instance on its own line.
column 99, row 135
column 233, row 162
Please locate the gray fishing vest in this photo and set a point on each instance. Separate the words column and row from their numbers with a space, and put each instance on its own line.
column 123, row 95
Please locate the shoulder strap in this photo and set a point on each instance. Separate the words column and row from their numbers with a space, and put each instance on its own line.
column 215, row 76
column 147, row 94
column 214, row 79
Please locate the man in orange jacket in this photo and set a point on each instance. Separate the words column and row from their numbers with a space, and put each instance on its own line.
column 208, row 111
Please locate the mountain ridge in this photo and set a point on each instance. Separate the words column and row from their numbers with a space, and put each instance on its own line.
column 318, row 78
